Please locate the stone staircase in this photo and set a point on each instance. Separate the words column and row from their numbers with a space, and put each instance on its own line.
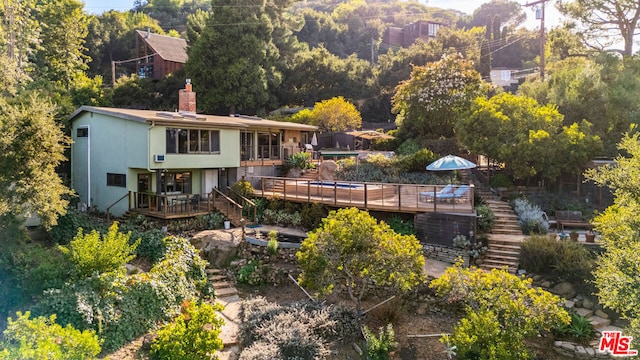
column 227, row 295
column 506, row 236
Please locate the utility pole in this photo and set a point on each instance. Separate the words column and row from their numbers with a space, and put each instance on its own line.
column 542, row 4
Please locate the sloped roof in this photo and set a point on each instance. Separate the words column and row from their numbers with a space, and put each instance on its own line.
column 167, row 47
column 191, row 119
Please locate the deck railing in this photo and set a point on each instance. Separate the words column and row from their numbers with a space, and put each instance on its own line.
column 372, row 196
column 171, row 205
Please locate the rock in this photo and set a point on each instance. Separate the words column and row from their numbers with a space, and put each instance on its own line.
column 588, row 303
column 327, row 170
column 148, row 340
column 294, row 173
column 569, row 304
column 132, row 269
column 584, row 312
column 602, row 314
column 599, row 322
column 545, row 284
column 537, row 277
column 218, row 247
column 564, row 289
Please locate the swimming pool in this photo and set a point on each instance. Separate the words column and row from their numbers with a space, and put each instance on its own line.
column 338, row 185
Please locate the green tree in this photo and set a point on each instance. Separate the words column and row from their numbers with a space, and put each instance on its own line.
column 429, row 103
column 616, row 275
column 243, row 74
column 351, row 249
column 31, row 147
column 335, row 115
column 604, row 22
column 532, row 137
column 89, row 253
column 502, row 311
column 42, row 338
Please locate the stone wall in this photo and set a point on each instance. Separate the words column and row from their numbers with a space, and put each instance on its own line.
column 444, row 253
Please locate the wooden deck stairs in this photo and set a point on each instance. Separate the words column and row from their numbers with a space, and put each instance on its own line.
column 505, row 237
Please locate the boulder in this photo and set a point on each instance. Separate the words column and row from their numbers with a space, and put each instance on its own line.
column 564, row 289
column 294, row 173
column 588, row 303
column 218, row 247
column 327, row 170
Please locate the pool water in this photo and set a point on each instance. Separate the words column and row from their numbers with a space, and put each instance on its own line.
column 339, row 185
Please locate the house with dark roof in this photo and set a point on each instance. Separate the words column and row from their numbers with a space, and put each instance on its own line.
column 167, row 164
column 159, row 55
column 407, row 35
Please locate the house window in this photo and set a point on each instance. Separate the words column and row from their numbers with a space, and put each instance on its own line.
column 269, row 145
column 247, row 151
column 82, row 132
column 176, row 182
column 192, row 141
column 119, row 180
column 433, row 29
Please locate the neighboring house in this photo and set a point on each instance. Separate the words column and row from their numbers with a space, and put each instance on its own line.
column 159, row 55
column 125, row 158
column 407, row 35
column 503, row 77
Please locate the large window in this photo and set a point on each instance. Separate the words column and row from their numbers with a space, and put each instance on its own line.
column 116, row 180
column 174, row 182
column 192, row 141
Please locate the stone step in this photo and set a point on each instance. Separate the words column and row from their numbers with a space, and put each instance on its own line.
column 507, row 232
column 511, row 269
column 212, row 271
column 509, row 252
column 584, row 312
column 225, row 292
column 599, row 322
column 506, row 239
column 221, row 285
column 498, row 260
column 216, row 278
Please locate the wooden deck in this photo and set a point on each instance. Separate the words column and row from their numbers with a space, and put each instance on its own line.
column 406, row 198
column 176, row 206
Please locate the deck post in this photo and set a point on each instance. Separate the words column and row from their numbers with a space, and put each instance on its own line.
column 399, row 197
column 365, row 196
column 335, row 193
column 284, row 187
column 308, row 191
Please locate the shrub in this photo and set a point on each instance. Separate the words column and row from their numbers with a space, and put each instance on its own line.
column 151, row 246
column 299, row 160
column 378, row 348
column 88, row 253
column 243, row 188
column 408, row 147
column 545, row 256
column 214, row 220
column 497, row 322
column 298, row 330
column 311, row 215
column 400, row 226
column 41, row 338
column 500, row 180
column 68, row 226
column 415, row 162
column 194, row 334
column 272, row 245
column 119, row 307
column 485, row 219
column 579, row 329
column 530, row 218
column 281, row 218
column 251, row 274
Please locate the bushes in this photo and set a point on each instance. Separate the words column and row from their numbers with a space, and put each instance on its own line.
column 299, row 160
column 530, row 218
column 295, row 331
column 378, row 348
column 403, row 227
column 312, row 214
column 68, row 225
column 88, row 253
column 193, row 335
column 502, row 310
column 243, row 188
column 548, row 257
column 415, row 162
column 41, row 338
column 579, row 329
column 485, row 220
column 120, row 308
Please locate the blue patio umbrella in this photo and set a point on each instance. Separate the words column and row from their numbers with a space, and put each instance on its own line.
column 450, row 162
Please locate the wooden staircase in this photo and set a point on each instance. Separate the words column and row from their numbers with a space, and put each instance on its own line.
column 506, row 236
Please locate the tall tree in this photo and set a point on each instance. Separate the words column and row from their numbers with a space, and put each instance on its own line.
column 335, row 115
column 429, row 103
column 229, row 76
column 31, row 147
column 353, row 250
column 604, row 22
column 616, row 276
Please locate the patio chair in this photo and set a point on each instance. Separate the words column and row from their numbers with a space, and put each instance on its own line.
column 428, row 195
column 458, row 194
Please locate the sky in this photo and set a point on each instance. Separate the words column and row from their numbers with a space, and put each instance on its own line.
column 552, row 17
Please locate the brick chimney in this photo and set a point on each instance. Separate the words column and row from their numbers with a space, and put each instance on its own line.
column 187, row 99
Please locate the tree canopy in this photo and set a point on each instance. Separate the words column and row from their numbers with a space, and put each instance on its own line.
column 335, row 115
column 353, row 250
column 616, row 276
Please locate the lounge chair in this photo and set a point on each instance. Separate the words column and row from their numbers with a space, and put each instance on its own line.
column 429, row 195
column 458, row 194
